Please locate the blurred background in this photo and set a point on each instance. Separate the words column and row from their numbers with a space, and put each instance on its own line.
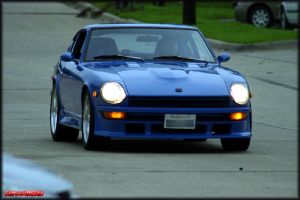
column 244, row 21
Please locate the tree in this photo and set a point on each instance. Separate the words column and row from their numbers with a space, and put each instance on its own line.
column 159, row 2
column 189, row 12
column 124, row 3
column 121, row 4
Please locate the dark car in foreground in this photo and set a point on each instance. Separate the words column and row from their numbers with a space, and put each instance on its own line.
column 264, row 13
column 147, row 81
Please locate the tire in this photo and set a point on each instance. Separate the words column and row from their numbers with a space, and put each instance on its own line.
column 89, row 140
column 59, row 132
column 235, row 144
column 283, row 21
column 260, row 16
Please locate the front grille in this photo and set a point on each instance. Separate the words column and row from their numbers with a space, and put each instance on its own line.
column 160, row 117
column 179, row 102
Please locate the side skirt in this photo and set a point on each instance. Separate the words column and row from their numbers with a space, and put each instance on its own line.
column 70, row 119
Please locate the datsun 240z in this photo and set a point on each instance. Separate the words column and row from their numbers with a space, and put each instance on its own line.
column 147, row 81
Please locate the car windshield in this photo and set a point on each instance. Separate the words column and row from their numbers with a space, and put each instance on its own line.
column 147, row 43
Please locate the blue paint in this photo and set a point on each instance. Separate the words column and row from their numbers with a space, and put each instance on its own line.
column 149, row 79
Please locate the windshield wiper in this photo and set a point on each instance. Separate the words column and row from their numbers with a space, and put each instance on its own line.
column 117, row 56
column 180, row 58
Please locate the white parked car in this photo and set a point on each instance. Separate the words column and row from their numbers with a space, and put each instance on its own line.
column 289, row 11
column 22, row 178
column 265, row 13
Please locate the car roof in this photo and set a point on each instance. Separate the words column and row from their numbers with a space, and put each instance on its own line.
column 139, row 25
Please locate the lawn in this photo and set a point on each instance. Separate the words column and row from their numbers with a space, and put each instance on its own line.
column 214, row 19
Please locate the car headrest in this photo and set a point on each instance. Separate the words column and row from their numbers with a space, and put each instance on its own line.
column 101, row 46
column 165, row 47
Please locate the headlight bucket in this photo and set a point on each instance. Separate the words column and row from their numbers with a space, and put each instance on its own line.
column 240, row 93
column 112, row 92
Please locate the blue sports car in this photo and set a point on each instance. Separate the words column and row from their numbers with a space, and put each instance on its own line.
column 147, row 81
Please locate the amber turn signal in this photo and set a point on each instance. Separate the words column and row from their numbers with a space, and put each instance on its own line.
column 236, row 116
column 114, row 115
column 94, row 93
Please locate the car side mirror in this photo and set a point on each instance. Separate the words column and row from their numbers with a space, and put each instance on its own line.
column 66, row 57
column 223, row 57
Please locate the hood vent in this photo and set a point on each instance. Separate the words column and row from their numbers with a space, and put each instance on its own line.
column 133, row 64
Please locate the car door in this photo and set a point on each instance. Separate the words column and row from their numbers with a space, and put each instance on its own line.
column 71, row 83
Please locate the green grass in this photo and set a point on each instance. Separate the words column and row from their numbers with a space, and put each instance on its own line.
column 210, row 20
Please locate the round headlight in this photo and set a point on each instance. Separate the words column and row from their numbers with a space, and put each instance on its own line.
column 240, row 93
column 112, row 92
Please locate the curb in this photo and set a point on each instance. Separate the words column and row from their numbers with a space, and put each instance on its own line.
column 89, row 10
column 216, row 44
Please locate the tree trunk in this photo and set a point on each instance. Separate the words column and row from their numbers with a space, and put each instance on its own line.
column 159, row 2
column 121, row 4
column 189, row 12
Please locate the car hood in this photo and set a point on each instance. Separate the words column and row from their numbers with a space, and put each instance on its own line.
column 159, row 78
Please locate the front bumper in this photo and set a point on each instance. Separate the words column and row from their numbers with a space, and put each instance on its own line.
column 147, row 123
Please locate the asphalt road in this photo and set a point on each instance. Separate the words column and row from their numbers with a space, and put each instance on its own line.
column 35, row 34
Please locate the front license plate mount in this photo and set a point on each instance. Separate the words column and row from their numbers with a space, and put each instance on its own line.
column 180, row 121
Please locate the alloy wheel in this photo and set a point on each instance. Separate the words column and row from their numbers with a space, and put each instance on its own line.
column 86, row 120
column 261, row 18
column 54, row 113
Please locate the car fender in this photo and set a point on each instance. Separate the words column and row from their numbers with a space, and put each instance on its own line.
column 290, row 10
column 89, row 88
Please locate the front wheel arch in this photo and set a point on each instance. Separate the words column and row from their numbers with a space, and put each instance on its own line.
column 60, row 132
column 55, row 83
column 83, row 91
column 286, row 24
column 93, row 141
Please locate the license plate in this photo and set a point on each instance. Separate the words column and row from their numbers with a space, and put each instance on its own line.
column 180, row 121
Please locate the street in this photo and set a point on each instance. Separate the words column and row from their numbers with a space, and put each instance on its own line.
column 36, row 34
